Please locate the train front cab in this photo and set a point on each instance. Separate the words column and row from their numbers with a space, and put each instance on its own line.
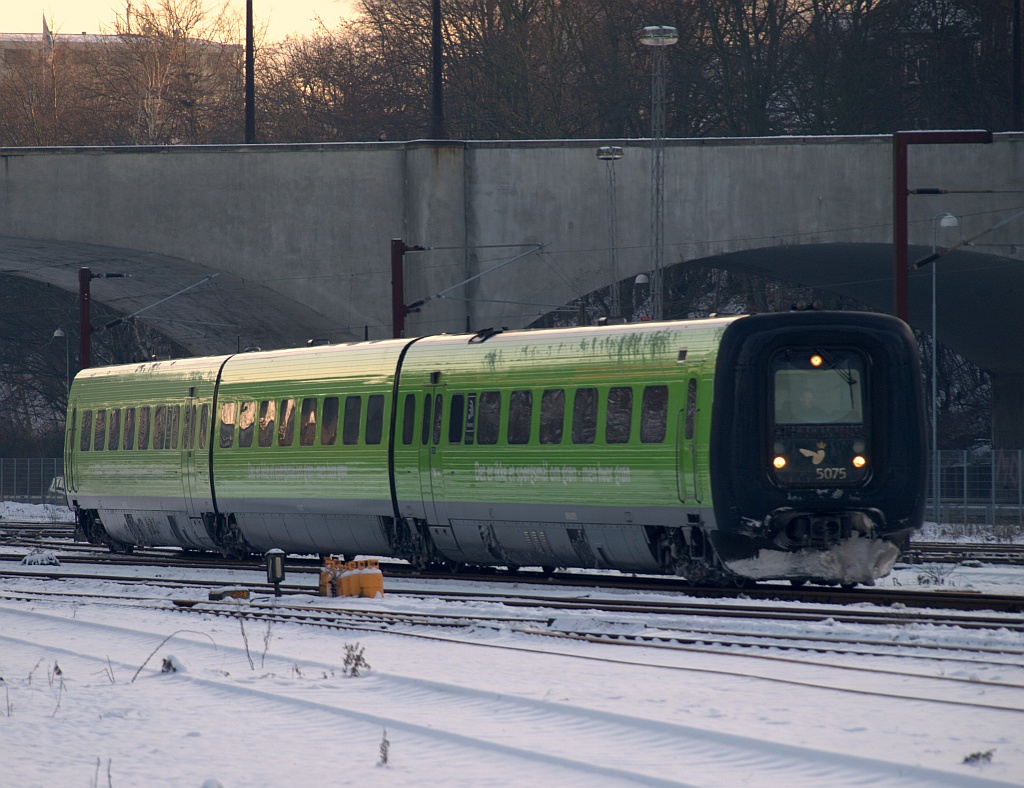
column 818, row 446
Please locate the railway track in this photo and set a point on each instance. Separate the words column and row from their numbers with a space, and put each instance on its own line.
column 57, row 539
column 624, row 624
column 946, row 552
column 309, row 568
column 973, row 611
column 479, row 717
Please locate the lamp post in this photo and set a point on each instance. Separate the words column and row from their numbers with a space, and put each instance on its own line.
column 944, row 219
column 658, row 37
column 67, row 356
column 610, row 154
column 250, row 78
column 438, row 129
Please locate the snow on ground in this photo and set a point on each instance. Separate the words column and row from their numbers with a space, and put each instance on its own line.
column 35, row 513
column 83, row 700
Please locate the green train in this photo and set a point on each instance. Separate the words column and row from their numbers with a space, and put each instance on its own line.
column 727, row 450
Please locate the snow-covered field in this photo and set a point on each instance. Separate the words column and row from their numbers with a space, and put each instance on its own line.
column 83, row 700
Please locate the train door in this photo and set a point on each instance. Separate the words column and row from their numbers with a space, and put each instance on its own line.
column 431, row 456
column 686, row 447
column 195, row 466
column 70, row 482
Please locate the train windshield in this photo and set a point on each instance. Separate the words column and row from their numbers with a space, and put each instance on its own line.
column 818, row 387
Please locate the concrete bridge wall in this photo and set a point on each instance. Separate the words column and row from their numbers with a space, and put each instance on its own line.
column 301, row 233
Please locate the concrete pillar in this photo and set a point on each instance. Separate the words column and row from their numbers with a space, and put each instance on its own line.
column 1007, row 407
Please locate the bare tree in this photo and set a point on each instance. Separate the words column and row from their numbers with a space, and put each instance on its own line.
column 171, row 74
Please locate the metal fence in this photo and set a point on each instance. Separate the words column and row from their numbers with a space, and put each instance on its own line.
column 34, row 480
column 978, row 487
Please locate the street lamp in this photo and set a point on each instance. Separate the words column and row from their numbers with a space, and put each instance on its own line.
column 67, row 357
column 658, row 37
column 943, row 219
column 610, row 154
column 250, row 77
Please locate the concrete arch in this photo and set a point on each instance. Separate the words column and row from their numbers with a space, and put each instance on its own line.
column 219, row 316
column 301, row 233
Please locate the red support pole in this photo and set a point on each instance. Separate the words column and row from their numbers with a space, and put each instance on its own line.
column 900, row 141
column 84, row 278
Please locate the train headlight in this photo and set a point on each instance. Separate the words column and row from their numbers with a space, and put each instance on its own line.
column 859, row 462
column 779, row 462
column 816, row 360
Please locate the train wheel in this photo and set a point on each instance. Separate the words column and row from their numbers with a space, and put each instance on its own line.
column 797, row 583
column 547, row 571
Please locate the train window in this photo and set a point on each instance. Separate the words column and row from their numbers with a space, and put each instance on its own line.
column 144, row 414
column 584, row 416
column 173, row 423
column 86, row 439
column 204, row 425
column 187, row 435
column 620, row 415
column 246, row 423
column 520, row 414
column 114, row 430
column 375, row 419
column 286, row 427
column 268, row 412
column 129, row 429
column 691, row 409
column 353, row 413
column 818, row 387
column 408, row 419
column 307, row 422
column 425, row 432
column 227, row 425
column 329, row 422
column 159, row 426
column 654, row 414
column 488, row 418
column 100, row 430
column 470, row 419
column 438, row 413
column 458, row 404
column 552, row 415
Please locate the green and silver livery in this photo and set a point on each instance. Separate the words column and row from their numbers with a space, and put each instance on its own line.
column 724, row 450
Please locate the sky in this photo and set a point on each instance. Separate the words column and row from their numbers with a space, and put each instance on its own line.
column 284, row 17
